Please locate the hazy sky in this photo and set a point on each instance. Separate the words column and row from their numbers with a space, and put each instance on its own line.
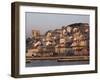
column 48, row 21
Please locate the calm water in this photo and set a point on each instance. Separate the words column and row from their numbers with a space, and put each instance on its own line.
column 37, row 63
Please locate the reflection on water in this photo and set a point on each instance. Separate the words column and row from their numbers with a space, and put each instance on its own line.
column 39, row 63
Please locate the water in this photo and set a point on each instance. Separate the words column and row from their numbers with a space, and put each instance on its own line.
column 39, row 63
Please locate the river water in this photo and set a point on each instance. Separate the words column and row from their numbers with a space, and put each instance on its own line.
column 39, row 63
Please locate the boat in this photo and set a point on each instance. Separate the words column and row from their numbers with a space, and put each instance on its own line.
column 78, row 58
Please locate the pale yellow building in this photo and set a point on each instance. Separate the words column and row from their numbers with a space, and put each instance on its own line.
column 35, row 33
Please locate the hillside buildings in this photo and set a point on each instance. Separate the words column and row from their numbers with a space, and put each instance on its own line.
column 68, row 41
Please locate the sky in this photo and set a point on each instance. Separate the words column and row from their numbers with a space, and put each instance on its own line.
column 50, row 21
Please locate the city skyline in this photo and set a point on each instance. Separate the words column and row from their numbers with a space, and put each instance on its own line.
column 47, row 21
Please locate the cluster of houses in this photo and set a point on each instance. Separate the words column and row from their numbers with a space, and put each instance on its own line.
column 69, row 40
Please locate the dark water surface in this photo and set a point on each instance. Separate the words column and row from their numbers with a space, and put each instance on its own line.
column 39, row 63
